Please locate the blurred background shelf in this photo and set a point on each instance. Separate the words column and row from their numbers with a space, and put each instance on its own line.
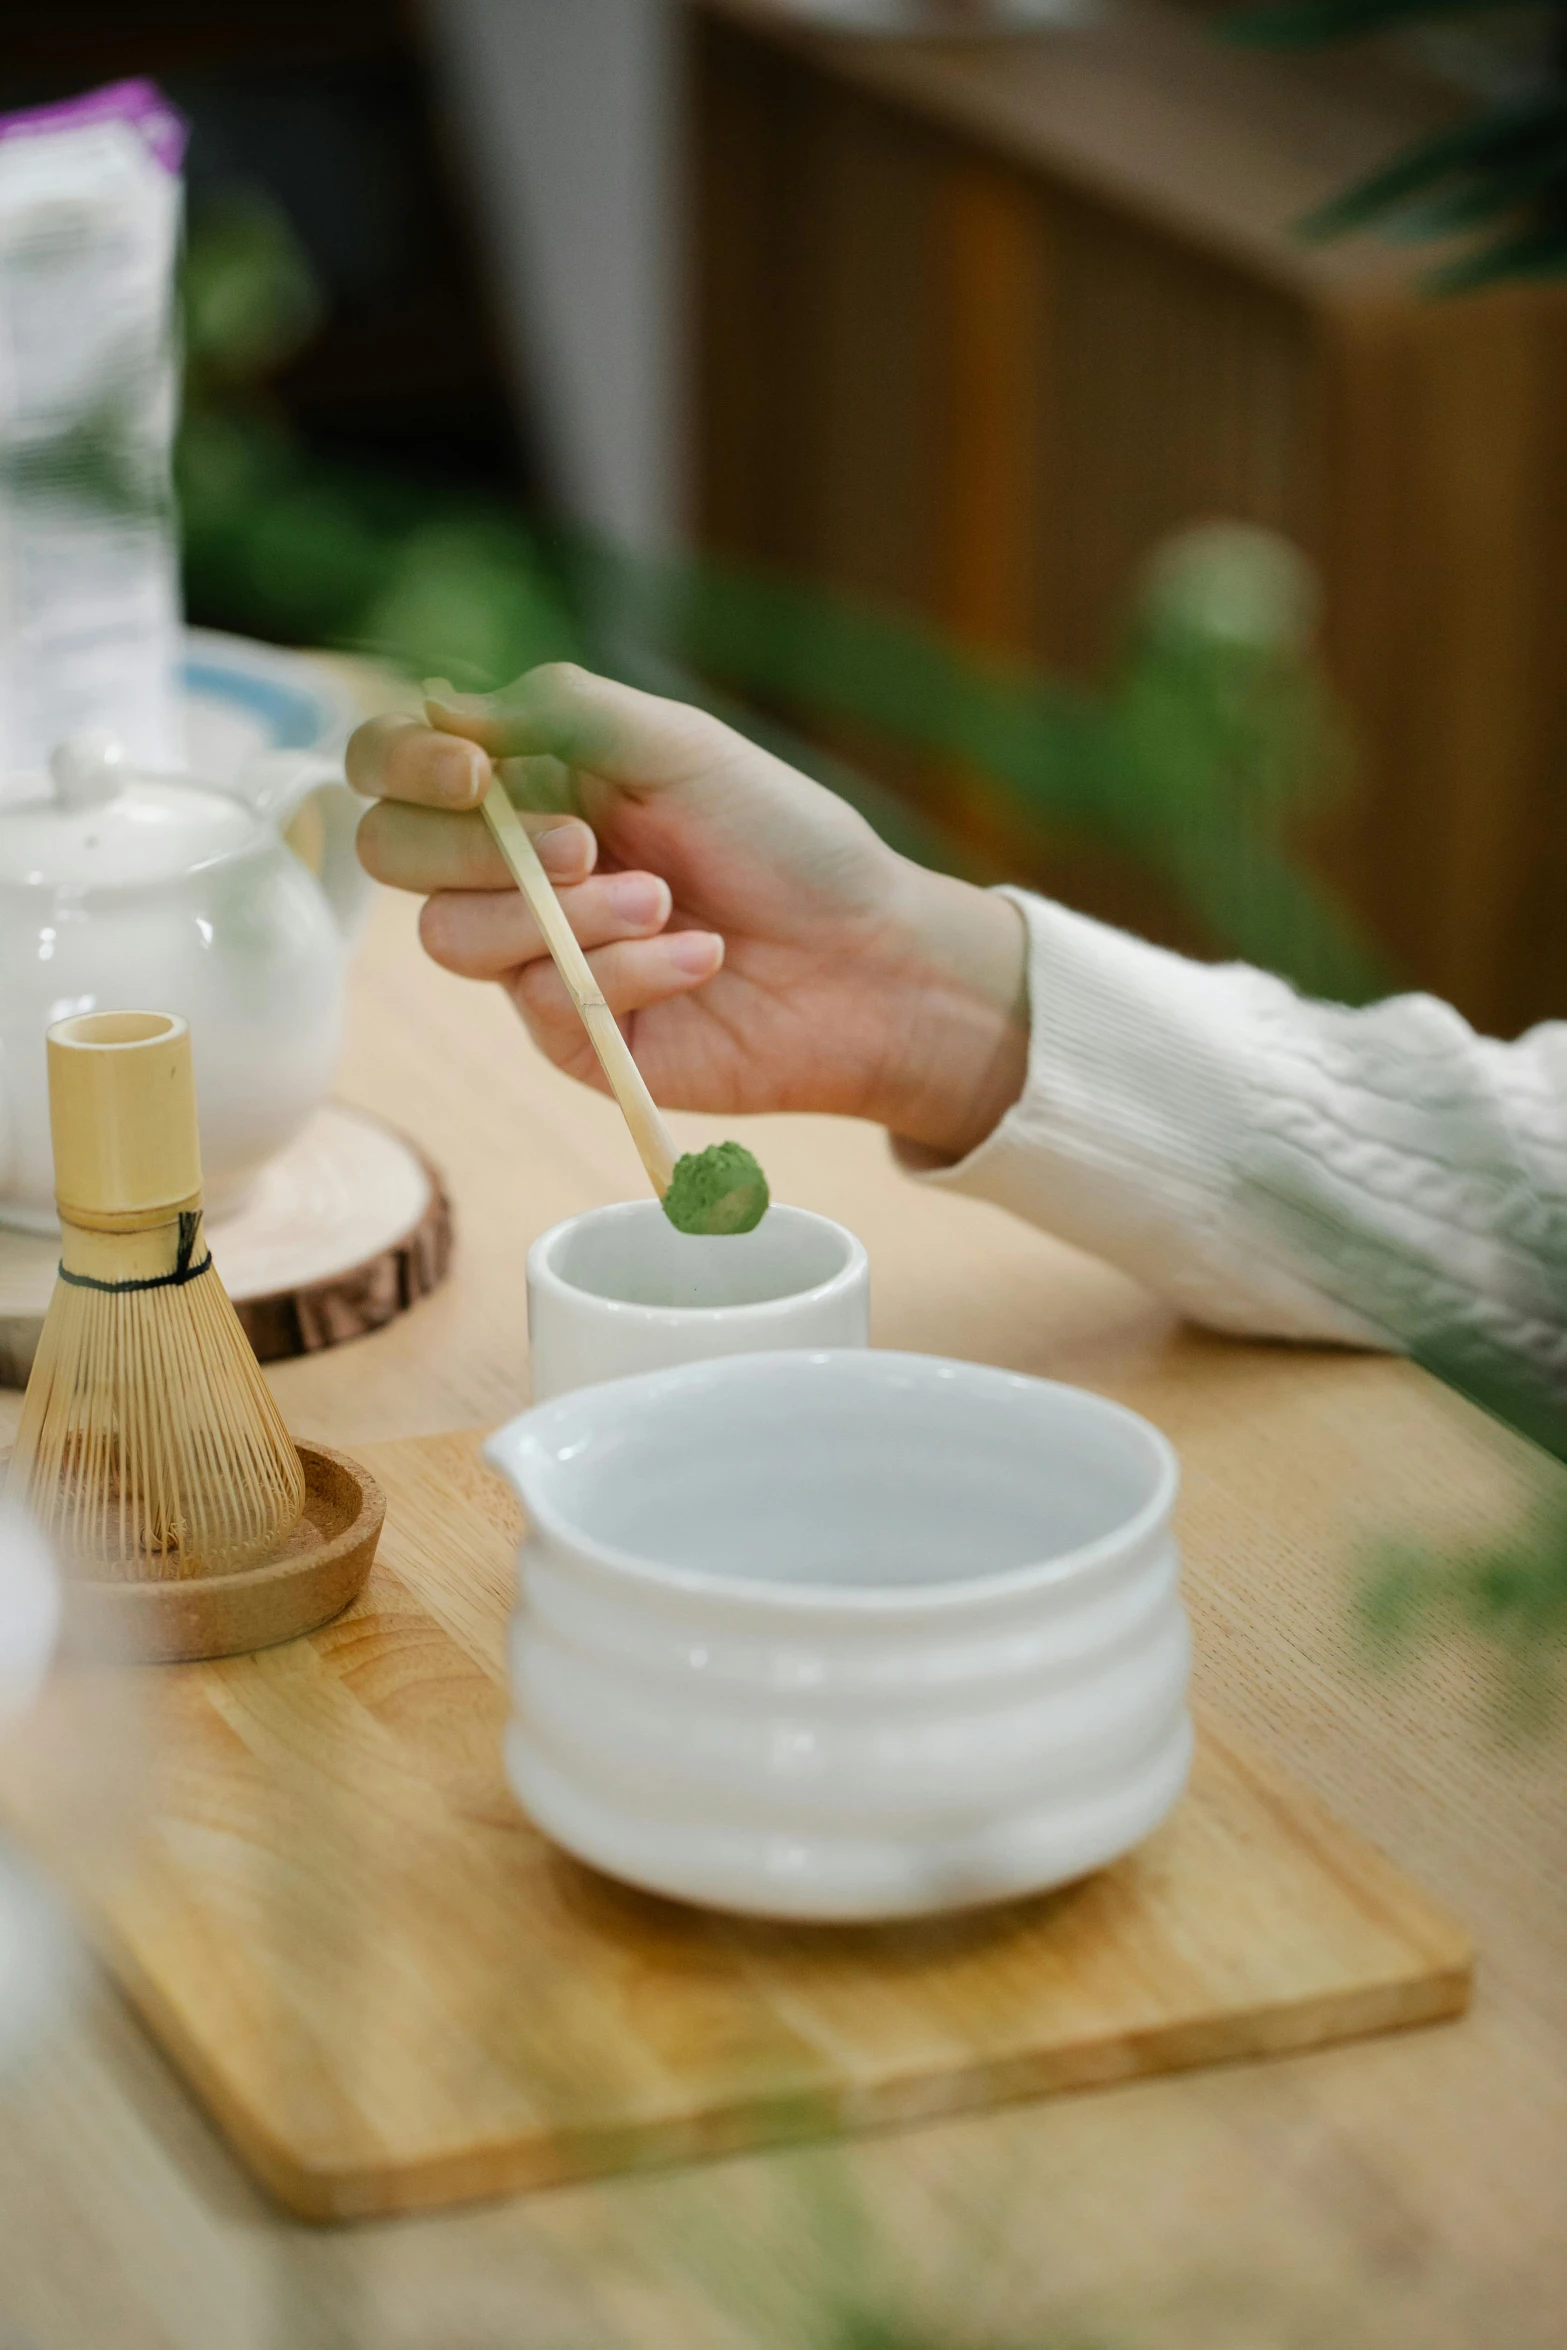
column 979, row 323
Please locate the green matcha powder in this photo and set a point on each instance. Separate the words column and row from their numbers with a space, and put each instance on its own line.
column 719, row 1190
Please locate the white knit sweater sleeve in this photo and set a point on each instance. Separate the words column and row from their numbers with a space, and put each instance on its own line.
column 1287, row 1168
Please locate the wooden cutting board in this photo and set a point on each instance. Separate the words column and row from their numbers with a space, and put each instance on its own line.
column 392, row 1994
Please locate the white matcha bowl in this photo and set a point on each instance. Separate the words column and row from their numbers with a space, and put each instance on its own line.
column 619, row 1290
column 845, row 1635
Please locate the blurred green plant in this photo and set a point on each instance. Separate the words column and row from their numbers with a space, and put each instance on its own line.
column 248, row 296
column 1511, row 1593
column 846, row 2285
column 1498, row 176
column 1214, row 735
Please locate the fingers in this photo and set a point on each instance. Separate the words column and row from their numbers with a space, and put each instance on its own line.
column 630, row 738
column 633, row 975
column 431, row 849
column 486, row 934
column 403, row 759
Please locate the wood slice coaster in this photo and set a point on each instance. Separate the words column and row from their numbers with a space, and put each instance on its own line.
column 345, row 1230
column 392, row 1993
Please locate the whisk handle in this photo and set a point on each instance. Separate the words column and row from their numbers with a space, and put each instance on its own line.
column 122, row 1115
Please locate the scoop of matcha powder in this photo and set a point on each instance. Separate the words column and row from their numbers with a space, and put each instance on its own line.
column 719, row 1190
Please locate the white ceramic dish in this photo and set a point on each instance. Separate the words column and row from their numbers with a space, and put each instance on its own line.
column 845, row 1635
column 618, row 1290
column 240, row 697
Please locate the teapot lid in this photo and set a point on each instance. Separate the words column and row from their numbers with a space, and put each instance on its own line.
column 98, row 824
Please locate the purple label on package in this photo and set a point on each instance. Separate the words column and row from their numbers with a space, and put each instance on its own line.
column 139, row 104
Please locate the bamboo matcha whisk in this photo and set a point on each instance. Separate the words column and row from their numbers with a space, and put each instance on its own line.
column 150, row 1447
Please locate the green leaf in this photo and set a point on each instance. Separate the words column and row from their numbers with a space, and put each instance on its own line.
column 1483, row 200
column 1505, row 137
column 1310, row 21
column 1539, row 252
column 249, row 293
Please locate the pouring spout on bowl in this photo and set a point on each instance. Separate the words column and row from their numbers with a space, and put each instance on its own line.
column 502, row 1451
column 514, row 1453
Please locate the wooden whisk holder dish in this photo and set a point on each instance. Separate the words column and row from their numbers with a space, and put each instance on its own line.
column 320, row 1570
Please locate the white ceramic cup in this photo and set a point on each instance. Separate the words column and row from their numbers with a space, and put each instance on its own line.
column 618, row 1290
column 845, row 1635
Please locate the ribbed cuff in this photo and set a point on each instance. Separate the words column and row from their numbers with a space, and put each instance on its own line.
column 1128, row 1135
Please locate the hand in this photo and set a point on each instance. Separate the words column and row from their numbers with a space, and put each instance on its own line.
column 762, row 948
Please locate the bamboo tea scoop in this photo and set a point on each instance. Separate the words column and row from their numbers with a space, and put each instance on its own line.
column 716, row 1191
column 655, row 1144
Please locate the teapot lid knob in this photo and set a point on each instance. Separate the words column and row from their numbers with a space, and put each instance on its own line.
column 87, row 770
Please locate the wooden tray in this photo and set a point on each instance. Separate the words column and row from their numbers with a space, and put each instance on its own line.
column 392, row 1994
column 345, row 1230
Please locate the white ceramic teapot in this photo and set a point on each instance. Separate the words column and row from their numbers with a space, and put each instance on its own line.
column 123, row 891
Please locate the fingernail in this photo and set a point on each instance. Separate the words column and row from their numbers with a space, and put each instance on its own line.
column 442, row 691
column 697, row 951
column 462, row 774
column 639, row 897
column 563, row 850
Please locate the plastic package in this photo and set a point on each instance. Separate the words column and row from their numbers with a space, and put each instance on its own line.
column 90, row 204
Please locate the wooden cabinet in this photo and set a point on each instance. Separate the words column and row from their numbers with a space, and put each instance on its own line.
column 977, row 324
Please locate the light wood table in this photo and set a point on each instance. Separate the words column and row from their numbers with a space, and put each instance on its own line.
column 1408, row 2190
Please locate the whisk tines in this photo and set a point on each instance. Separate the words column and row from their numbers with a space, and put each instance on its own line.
column 150, row 1447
